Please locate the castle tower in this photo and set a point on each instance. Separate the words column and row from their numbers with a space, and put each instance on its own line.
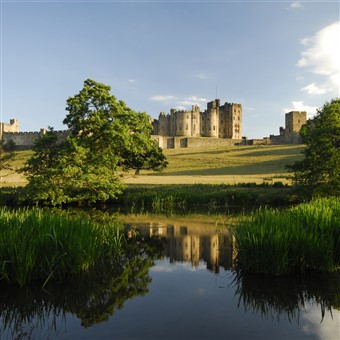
column 195, row 121
column 230, row 121
column 163, row 124
column 209, row 127
column 13, row 126
column 294, row 121
column 236, row 121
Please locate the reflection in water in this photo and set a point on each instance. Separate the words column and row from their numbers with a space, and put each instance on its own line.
column 92, row 297
column 52, row 312
column 192, row 243
column 286, row 297
column 271, row 297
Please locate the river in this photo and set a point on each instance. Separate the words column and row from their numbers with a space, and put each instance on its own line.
column 187, row 289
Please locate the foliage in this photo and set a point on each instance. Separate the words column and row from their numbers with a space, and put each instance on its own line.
column 191, row 197
column 109, row 128
column 106, row 136
column 285, row 297
column 6, row 157
column 40, row 245
column 92, row 296
column 304, row 238
column 318, row 174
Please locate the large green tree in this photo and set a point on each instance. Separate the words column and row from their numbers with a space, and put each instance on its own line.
column 107, row 137
column 318, row 173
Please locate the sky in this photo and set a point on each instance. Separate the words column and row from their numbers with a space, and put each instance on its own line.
column 271, row 56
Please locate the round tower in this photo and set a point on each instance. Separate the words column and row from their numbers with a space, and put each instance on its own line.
column 211, row 119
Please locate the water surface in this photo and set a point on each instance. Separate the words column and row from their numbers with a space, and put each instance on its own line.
column 183, row 288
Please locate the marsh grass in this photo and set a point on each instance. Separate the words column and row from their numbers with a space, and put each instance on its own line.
column 191, row 197
column 301, row 239
column 42, row 245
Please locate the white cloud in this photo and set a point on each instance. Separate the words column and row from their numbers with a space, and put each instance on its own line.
column 322, row 57
column 315, row 89
column 161, row 98
column 300, row 106
column 132, row 81
column 201, row 76
column 193, row 100
column 296, row 5
column 180, row 108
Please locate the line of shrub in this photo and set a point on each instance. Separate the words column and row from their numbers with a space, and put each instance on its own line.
column 301, row 239
column 42, row 245
column 165, row 198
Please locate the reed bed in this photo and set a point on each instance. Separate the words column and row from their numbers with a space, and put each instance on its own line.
column 42, row 245
column 302, row 239
column 191, row 197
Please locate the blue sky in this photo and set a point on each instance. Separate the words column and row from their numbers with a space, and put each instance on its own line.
column 270, row 56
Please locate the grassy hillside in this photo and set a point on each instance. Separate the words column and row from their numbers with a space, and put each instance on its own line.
column 229, row 165
column 11, row 178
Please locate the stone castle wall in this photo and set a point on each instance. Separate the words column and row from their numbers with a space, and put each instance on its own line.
column 294, row 120
column 216, row 121
column 182, row 129
column 9, row 133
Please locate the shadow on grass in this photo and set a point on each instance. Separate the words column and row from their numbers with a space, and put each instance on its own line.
column 274, row 166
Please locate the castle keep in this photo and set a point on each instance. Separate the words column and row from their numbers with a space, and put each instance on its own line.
column 216, row 121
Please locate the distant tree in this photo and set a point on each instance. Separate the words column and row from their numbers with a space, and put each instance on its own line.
column 6, row 156
column 318, row 173
column 107, row 136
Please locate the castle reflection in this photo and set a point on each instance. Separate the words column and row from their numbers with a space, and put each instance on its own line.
column 192, row 243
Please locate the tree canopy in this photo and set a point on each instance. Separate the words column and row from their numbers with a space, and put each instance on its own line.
column 318, row 173
column 107, row 137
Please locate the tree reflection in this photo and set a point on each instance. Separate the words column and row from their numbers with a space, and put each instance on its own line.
column 92, row 297
column 286, row 297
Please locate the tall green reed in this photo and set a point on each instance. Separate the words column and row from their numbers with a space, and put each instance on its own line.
column 304, row 238
column 42, row 245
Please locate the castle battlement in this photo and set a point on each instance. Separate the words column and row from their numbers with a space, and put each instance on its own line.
column 216, row 121
column 9, row 133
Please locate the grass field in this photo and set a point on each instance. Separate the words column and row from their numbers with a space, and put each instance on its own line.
column 227, row 165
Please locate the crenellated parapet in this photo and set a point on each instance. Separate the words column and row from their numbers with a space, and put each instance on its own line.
column 10, row 133
column 216, row 121
column 294, row 120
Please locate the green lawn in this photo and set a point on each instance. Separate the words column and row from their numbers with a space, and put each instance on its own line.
column 231, row 165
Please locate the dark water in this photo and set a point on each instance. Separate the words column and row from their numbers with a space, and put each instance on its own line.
column 178, row 286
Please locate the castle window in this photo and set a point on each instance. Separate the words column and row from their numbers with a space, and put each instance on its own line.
column 214, row 127
column 186, row 127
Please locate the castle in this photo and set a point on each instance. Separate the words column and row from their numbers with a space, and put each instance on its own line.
column 216, row 121
column 218, row 125
column 9, row 133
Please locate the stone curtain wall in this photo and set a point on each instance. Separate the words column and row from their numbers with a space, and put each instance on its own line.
column 25, row 140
